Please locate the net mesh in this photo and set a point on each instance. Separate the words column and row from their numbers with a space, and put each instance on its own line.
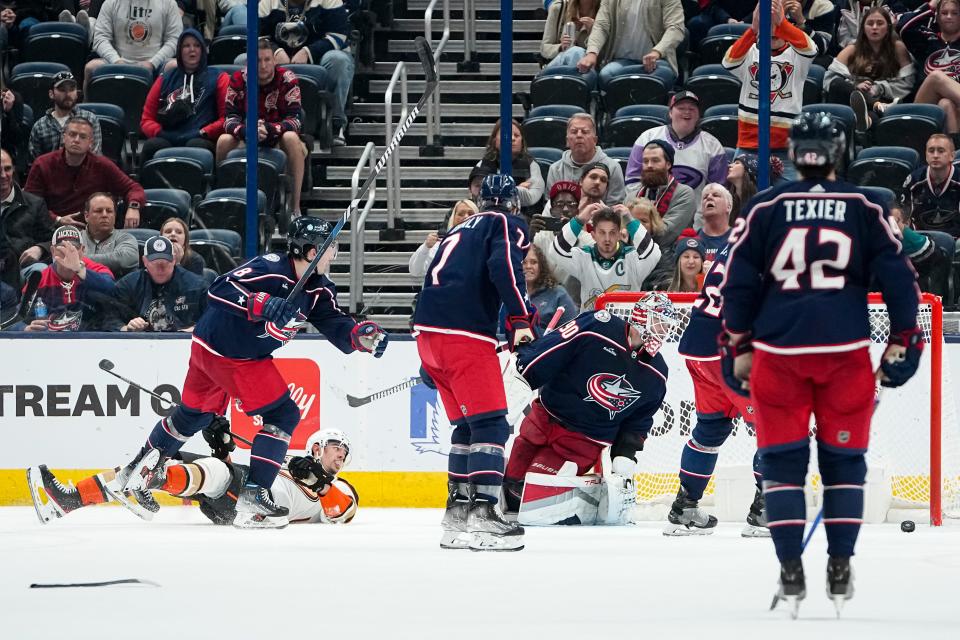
column 899, row 454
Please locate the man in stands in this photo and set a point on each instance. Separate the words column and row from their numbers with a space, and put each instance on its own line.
column 674, row 201
column 313, row 32
column 698, row 156
column 582, row 150
column 933, row 191
column 162, row 296
column 117, row 250
column 25, row 226
column 279, row 116
column 715, row 205
column 65, row 178
column 139, row 32
column 47, row 132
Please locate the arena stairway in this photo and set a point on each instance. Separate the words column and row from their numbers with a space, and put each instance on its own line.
column 430, row 185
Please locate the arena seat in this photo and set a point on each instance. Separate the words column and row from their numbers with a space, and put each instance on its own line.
column 906, row 154
column 545, row 156
column 142, row 234
column 124, row 85
column 216, row 254
column 163, row 204
column 186, row 168
column 560, row 87
column 63, row 42
column 227, row 209
column 271, row 171
column 736, row 29
column 629, row 122
column 714, row 47
column 713, row 86
column 724, row 127
column 231, row 239
column 316, row 101
column 879, row 172
column 33, row 80
column 621, row 155
column 909, row 125
column 112, row 129
column 633, row 88
column 226, row 47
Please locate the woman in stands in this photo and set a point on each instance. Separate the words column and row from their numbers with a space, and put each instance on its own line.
column 932, row 35
column 873, row 72
column 543, row 290
column 559, row 48
column 688, row 276
column 175, row 230
column 524, row 169
column 424, row 254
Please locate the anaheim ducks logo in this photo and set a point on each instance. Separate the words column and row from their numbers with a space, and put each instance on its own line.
column 780, row 75
column 612, row 392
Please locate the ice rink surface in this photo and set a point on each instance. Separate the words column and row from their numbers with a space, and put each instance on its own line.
column 384, row 576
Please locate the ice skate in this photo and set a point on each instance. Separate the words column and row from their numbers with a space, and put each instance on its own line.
column 455, row 534
column 756, row 526
column 257, row 510
column 490, row 532
column 60, row 499
column 131, row 486
column 792, row 588
column 839, row 581
column 687, row 519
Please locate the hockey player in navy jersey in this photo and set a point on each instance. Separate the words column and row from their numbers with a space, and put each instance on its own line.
column 797, row 337
column 477, row 267
column 717, row 405
column 601, row 380
column 248, row 318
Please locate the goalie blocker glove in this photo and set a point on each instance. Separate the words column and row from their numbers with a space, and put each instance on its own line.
column 264, row 307
column 309, row 473
column 901, row 358
column 370, row 338
column 729, row 353
column 219, row 437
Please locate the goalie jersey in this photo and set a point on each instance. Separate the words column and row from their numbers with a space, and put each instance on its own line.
column 699, row 339
column 225, row 329
column 589, row 379
column 799, row 274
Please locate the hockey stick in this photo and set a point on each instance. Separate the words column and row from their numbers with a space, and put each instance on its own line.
column 107, row 365
column 107, row 583
column 355, row 401
column 26, row 301
column 430, row 75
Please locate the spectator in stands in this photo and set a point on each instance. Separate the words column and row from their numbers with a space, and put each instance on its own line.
column 103, row 242
column 558, row 46
column 932, row 36
column 234, row 12
column 543, row 290
column 698, row 157
column 163, row 296
column 12, row 124
column 873, row 72
column 69, row 286
column 646, row 212
column 716, row 204
column 628, row 33
column 424, row 254
column 16, row 21
column 81, row 13
column 609, row 264
column 278, row 112
column 742, row 180
column 594, row 183
column 185, row 106
column 674, row 201
column 582, row 150
column 313, row 32
column 25, row 226
column 176, row 231
column 477, row 174
column 714, row 13
column 47, row 132
column 66, row 178
column 565, row 199
column 688, row 274
column 933, row 190
column 816, row 18
column 135, row 32
column 932, row 263
column 523, row 167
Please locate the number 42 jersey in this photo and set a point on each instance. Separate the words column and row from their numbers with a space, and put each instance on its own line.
column 799, row 273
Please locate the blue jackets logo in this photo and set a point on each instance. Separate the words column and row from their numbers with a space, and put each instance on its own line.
column 612, row 392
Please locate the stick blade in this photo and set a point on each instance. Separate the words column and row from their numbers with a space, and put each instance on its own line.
column 355, row 402
column 106, row 365
column 426, row 59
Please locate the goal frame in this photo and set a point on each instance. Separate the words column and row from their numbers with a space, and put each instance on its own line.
column 935, row 347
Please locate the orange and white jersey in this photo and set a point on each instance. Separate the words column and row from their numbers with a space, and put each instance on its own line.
column 788, row 71
column 339, row 505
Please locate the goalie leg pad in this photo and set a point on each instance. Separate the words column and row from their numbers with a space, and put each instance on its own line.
column 531, row 438
column 699, row 457
column 843, row 476
column 560, row 500
column 784, row 473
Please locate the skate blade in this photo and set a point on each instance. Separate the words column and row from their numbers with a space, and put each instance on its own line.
column 46, row 511
column 455, row 540
column 491, row 542
column 679, row 531
column 793, row 603
column 752, row 531
column 137, row 479
column 258, row 521
column 128, row 502
column 838, row 602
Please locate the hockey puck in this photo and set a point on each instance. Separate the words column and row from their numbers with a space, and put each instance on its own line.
column 907, row 526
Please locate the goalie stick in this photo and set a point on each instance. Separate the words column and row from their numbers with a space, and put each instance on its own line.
column 355, row 401
column 430, row 75
column 26, row 301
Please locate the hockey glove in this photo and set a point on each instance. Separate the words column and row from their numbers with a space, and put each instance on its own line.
column 902, row 357
column 218, row 436
column 309, row 473
column 520, row 329
column 264, row 307
column 736, row 361
column 370, row 338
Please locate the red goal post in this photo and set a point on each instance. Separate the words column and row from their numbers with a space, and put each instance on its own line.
column 907, row 444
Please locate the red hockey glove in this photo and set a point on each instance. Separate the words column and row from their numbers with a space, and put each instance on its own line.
column 520, row 329
column 264, row 307
column 370, row 338
column 736, row 374
column 902, row 357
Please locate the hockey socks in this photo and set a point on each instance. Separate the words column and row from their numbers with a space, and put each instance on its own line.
column 269, row 447
column 458, row 464
column 699, row 457
column 485, row 462
column 843, row 477
column 91, row 489
column 173, row 431
column 784, row 473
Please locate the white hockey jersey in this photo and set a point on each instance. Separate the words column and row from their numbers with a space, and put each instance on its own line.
column 306, row 506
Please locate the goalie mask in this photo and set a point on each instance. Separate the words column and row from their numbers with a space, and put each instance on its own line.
column 655, row 318
column 317, row 442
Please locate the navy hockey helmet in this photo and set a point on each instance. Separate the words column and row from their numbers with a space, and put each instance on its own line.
column 499, row 192
column 816, row 140
column 307, row 232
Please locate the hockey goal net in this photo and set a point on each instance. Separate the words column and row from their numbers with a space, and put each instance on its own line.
column 914, row 455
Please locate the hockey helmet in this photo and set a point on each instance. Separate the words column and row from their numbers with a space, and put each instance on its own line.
column 816, row 140
column 306, row 232
column 328, row 437
column 655, row 317
column 499, row 192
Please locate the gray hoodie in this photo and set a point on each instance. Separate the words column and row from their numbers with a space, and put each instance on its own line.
column 566, row 169
column 138, row 31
